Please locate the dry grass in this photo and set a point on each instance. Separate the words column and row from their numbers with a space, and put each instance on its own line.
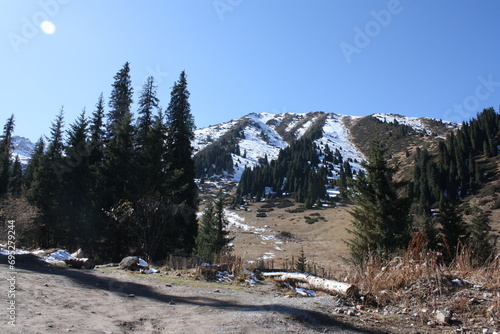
column 419, row 279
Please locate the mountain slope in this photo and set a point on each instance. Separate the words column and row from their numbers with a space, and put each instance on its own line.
column 23, row 148
column 257, row 138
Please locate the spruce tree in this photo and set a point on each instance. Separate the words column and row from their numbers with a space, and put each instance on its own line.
column 301, row 264
column 46, row 176
column 116, row 173
column 481, row 240
column 150, row 140
column 33, row 164
column 97, row 133
column 16, row 178
column 212, row 239
column 148, row 103
column 77, row 185
column 381, row 217
column 5, row 155
column 453, row 230
column 180, row 133
column 121, row 96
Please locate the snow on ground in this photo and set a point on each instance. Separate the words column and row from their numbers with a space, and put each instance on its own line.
column 336, row 135
column 332, row 192
column 300, row 132
column 256, row 145
column 296, row 118
column 266, row 234
column 23, row 148
column 414, row 122
column 4, row 250
column 205, row 136
column 58, row 257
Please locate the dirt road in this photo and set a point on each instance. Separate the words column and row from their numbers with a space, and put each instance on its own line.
column 57, row 300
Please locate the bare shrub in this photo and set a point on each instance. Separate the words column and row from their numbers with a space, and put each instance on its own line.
column 25, row 217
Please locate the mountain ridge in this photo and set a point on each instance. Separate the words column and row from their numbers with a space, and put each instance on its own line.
column 261, row 136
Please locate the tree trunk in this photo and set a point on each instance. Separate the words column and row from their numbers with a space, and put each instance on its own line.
column 316, row 283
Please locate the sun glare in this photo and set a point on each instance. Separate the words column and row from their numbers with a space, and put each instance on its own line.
column 48, row 27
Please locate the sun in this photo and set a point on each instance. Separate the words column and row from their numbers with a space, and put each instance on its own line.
column 48, row 27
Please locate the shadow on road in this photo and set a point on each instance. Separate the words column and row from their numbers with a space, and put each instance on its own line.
column 95, row 281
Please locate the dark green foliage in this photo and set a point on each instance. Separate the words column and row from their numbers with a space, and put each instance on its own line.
column 16, row 178
column 481, row 240
column 381, row 217
column 453, row 171
column 301, row 264
column 45, row 174
column 180, row 133
column 295, row 171
column 216, row 158
column 97, row 134
column 121, row 97
column 127, row 189
column 453, row 230
column 148, row 222
column 75, row 204
column 5, row 155
column 213, row 237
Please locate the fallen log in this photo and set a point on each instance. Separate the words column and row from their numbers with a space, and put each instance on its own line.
column 80, row 263
column 315, row 283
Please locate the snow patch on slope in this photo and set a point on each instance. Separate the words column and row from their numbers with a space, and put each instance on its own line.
column 337, row 136
column 206, row 136
column 415, row 122
column 23, row 148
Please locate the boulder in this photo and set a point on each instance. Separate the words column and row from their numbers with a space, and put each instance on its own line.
column 132, row 263
column 78, row 254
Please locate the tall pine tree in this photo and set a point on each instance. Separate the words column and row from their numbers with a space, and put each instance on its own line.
column 5, row 153
column 180, row 133
column 116, row 173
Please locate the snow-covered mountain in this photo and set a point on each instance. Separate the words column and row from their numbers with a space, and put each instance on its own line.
column 23, row 148
column 263, row 135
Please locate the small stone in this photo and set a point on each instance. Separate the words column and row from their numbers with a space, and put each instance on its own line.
column 360, row 307
column 431, row 324
column 171, row 302
column 351, row 313
column 131, row 295
column 217, row 291
column 443, row 317
column 45, row 284
column 169, row 285
column 485, row 331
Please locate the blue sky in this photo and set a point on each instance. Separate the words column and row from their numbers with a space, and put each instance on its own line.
column 411, row 57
